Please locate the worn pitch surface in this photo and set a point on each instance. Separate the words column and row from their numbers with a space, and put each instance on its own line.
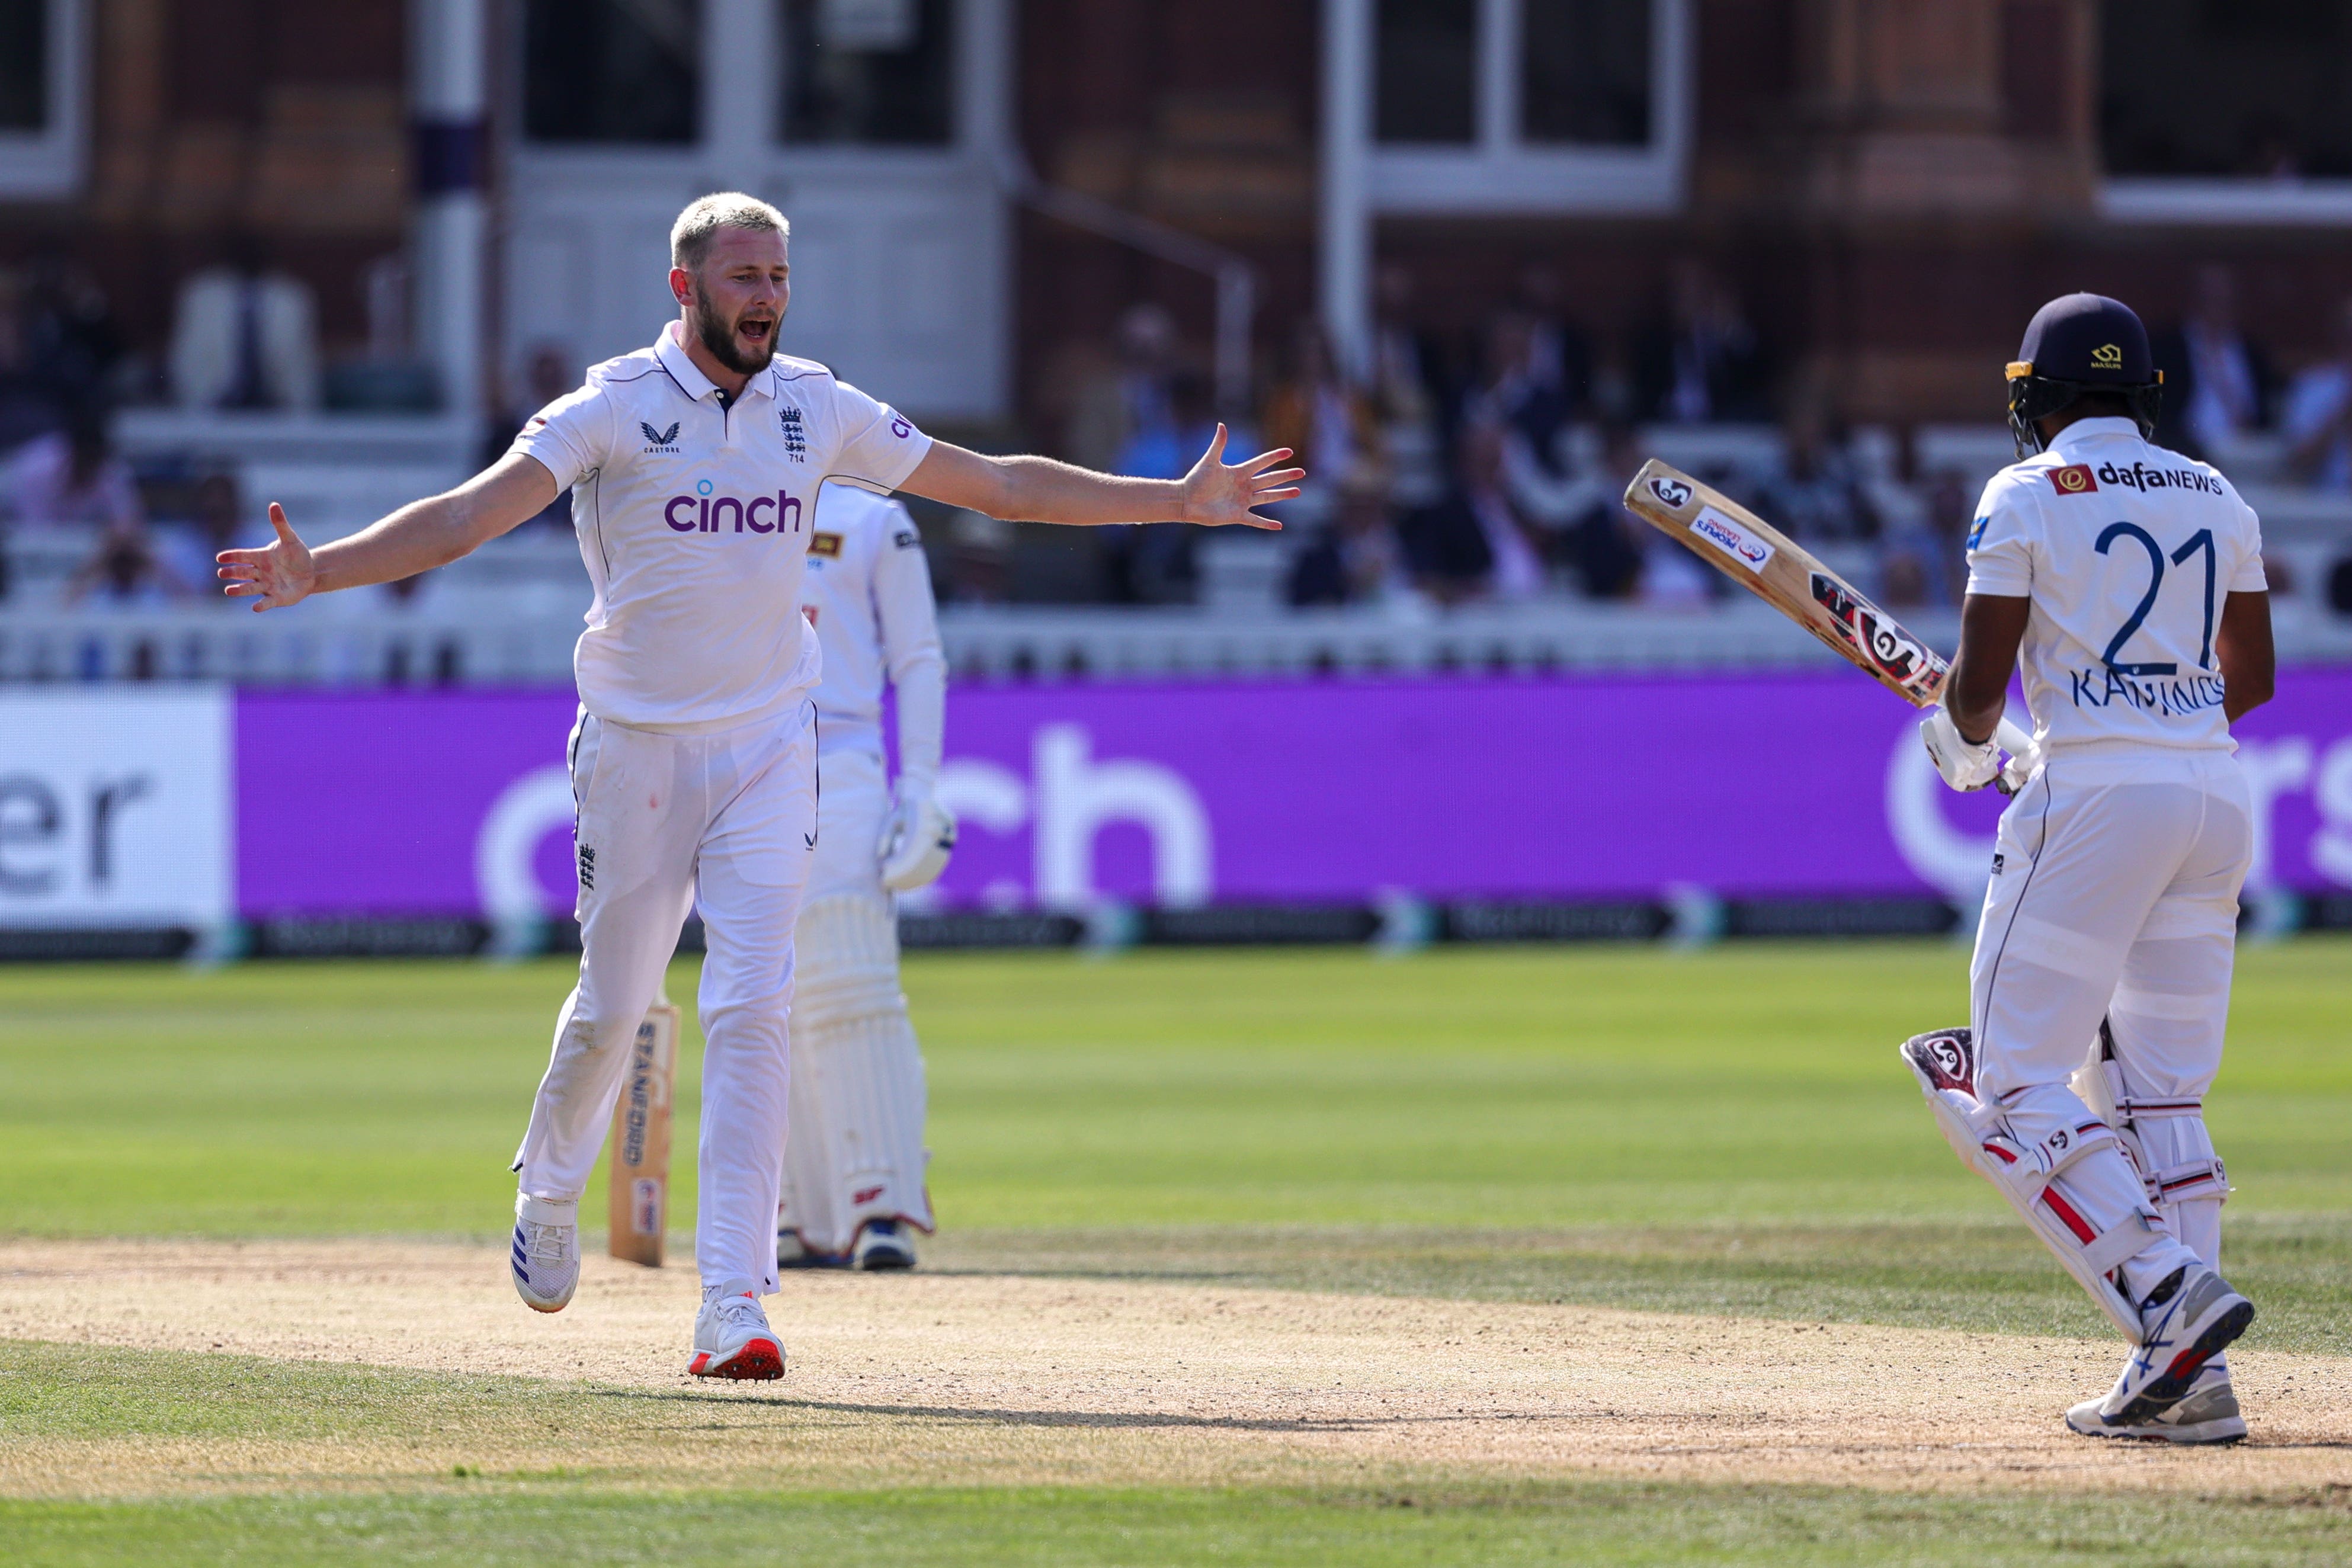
column 989, row 1378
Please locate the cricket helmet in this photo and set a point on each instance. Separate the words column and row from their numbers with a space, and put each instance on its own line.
column 2079, row 343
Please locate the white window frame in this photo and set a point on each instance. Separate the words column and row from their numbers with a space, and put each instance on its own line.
column 47, row 163
column 1501, row 173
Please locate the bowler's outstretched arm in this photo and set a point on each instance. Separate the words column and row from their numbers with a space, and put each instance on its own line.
column 1215, row 494
column 417, row 538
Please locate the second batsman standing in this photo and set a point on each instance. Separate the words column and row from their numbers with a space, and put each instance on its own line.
column 854, row 1155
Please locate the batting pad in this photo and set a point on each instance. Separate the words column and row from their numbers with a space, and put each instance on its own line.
column 2164, row 1135
column 853, row 1149
column 2027, row 1173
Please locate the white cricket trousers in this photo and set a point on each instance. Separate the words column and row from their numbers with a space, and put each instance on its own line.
column 2115, row 895
column 727, row 821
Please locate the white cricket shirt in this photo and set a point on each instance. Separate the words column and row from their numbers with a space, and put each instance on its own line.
column 694, row 518
column 868, row 594
column 2127, row 552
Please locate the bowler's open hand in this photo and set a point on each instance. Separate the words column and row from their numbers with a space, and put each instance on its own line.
column 1218, row 494
column 276, row 575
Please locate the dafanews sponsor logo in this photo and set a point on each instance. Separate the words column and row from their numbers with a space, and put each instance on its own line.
column 2075, row 479
column 1741, row 545
column 2141, row 477
column 704, row 512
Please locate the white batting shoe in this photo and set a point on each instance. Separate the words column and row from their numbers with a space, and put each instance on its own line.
column 2208, row 1413
column 545, row 1258
column 885, row 1244
column 2187, row 1320
column 731, row 1336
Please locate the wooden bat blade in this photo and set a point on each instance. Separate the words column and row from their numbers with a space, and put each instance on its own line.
column 1777, row 570
column 639, row 1154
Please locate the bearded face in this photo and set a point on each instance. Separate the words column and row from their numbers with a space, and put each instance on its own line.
column 743, row 339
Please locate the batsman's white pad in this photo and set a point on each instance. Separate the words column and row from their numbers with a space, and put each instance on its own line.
column 2165, row 1135
column 855, row 1148
column 2027, row 1173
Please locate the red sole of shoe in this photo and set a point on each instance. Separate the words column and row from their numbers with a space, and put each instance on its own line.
column 761, row 1361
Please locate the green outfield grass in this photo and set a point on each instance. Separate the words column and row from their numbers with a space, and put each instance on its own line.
column 1729, row 1126
column 1725, row 1130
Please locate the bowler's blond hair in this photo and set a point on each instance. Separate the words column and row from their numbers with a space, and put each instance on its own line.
column 690, row 236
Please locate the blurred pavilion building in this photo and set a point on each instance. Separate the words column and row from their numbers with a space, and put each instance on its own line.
column 471, row 198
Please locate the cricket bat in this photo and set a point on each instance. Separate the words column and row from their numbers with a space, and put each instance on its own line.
column 1777, row 570
column 640, row 1147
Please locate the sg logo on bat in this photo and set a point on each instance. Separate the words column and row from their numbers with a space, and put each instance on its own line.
column 1673, row 492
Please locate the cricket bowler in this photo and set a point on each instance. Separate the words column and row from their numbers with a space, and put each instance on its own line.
column 854, row 1157
column 694, row 466
column 2130, row 581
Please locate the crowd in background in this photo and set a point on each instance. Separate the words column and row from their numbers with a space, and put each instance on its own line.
column 1487, row 466
column 1446, row 469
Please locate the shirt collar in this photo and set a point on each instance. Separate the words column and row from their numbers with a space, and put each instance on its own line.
column 671, row 351
column 2101, row 427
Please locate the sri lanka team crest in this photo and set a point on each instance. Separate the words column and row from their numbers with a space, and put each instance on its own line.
column 2074, row 480
column 1894, row 656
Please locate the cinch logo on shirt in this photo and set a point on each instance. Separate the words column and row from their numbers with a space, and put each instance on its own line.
column 709, row 514
column 2074, row 480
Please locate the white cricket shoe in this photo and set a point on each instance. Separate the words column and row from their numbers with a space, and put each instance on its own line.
column 2208, row 1413
column 731, row 1336
column 2185, row 1321
column 884, row 1244
column 546, row 1254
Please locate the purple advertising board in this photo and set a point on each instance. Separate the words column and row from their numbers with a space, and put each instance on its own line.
column 1563, row 789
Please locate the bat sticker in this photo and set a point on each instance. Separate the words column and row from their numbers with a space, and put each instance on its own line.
column 1890, row 651
column 1729, row 537
column 1673, row 492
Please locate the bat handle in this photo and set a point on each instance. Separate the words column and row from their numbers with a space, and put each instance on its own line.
column 2023, row 756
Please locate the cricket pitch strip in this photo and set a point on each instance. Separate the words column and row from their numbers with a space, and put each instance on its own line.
column 980, row 1379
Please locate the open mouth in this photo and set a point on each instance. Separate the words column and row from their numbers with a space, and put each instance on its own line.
column 758, row 331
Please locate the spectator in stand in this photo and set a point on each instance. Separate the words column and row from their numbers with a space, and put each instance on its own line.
column 1408, row 391
column 1116, row 401
column 189, row 549
column 67, row 333
column 2216, row 381
column 1528, row 411
column 1327, row 423
column 71, row 478
column 2317, row 419
column 124, row 573
column 1817, row 497
column 1702, row 361
column 1474, row 543
column 1600, row 542
column 1354, row 557
column 1512, row 539
column 1920, row 560
column 980, row 560
column 546, row 376
column 1559, row 356
column 1152, row 563
column 245, row 337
